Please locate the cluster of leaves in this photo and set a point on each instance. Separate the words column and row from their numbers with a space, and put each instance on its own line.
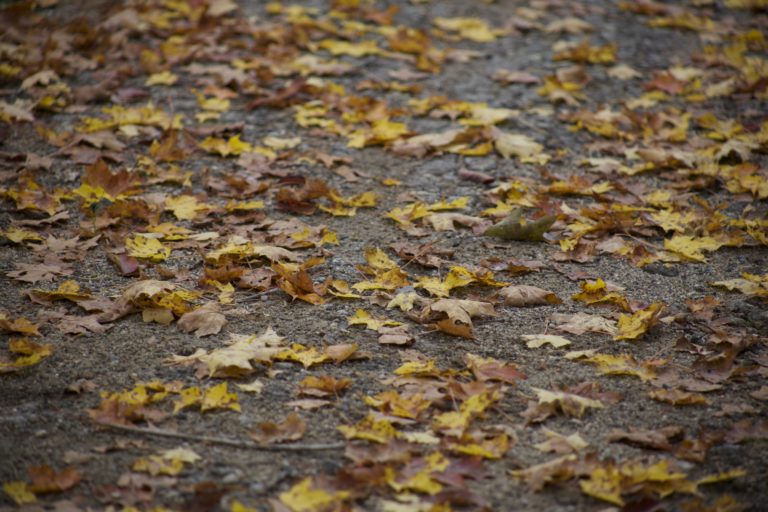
column 665, row 179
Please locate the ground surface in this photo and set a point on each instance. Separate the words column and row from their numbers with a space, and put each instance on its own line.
column 649, row 156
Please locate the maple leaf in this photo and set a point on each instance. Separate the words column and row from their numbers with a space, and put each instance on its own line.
column 370, row 429
column 216, row 397
column 144, row 247
column 290, row 429
column 571, row 404
column 362, row 317
column 474, row 29
column 692, row 248
column 204, row 321
column 624, row 365
column 36, row 272
column 524, row 295
column 579, row 323
column 633, row 326
column 556, row 470
column 185, row 207
column 19, row 491
column 457, row 422
column 558, row 443
column 18, row 325
column 597, row 292
column 307, row 356
column 485, row 369
column 235, row 359
column 521, row 146
column 30, row 354
column 515, row 227
column 539, row 340
column 459, row 313
column 44, row 479
column 306, row 496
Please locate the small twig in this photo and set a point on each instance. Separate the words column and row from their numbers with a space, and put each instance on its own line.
column 224, row 441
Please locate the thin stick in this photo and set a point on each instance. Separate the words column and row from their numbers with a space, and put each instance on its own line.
column 224, row 441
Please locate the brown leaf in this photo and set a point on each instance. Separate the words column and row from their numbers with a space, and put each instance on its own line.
column 45, row 479
column 524, row 295
column 290, row 429
column 493, row 370
column 204, row 321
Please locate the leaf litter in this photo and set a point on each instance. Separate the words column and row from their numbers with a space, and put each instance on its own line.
column 228, row 167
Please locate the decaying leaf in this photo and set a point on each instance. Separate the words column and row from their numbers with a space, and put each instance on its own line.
column 524, row 295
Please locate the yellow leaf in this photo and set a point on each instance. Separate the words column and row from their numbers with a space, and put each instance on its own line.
column 162, row 78
column 282, row 143
column 362, row 317
column 604, row 484
column 633, row 326
column 19, row 492
column 488, row 448
column 521, row 146
column 301, row 354
column 359, row 49
column 387, row 280
column 19, row 235
column 218, row 397
column 304, row 497
column 750, row 284
column 144, row 247
column 381, row 131
column 185, row 207
column 404, row 301
column 231, row 146
column 31, row 351
column 456, row 422
column 692, row 248
column 538, row 340
column 474, row 29
column 212, row 104
column 596, row 292
column 370, row 429
column 457, row 204
column 156, row 465
column 68, row 290
column 422, row 480
column 608, row 364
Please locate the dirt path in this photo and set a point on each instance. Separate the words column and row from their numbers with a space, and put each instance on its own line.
column 245, row 264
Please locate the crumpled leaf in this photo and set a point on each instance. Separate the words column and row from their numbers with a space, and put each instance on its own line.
column 524, row 295
column 571, row 404
column 30, row 354
column 579, row 323
column 489, row 369
column 515, row 227
column 633, row 326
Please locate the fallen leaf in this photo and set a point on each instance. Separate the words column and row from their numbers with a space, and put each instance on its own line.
column 524, row 295
column 204, row 321
column 538, row 340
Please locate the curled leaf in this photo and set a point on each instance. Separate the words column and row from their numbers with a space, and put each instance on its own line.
column 515, row 227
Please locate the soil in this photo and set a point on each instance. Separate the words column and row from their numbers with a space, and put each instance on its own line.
column 43, row 422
